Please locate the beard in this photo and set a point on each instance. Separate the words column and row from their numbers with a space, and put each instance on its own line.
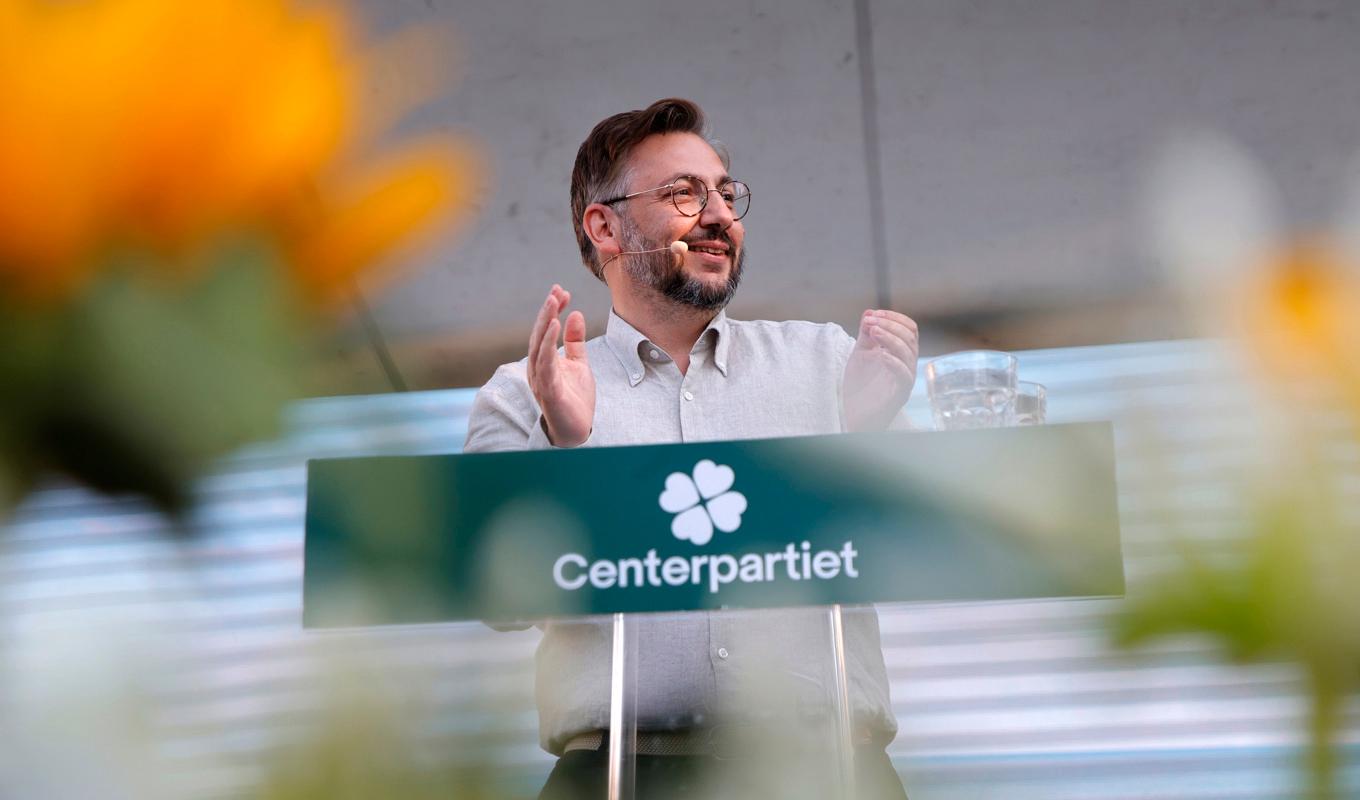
column 665, row 273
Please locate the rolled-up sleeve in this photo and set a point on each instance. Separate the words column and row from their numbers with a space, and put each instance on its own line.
column 503, row 413
column 505, row 416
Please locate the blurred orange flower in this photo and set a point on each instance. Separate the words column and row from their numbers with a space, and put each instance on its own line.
column 164, row 125
column 1289, row 302
column 1300, row 312
column 1286, row 586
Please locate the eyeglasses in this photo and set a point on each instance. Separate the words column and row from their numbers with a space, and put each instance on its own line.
column 690, row 196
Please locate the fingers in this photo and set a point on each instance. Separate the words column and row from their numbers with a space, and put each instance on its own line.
column 900, row 325
column 546, row 312
column 574, row 338
column 545, row 361
column 557, row 299
column 895, row 335
column 895, row 318
column 893, row 345
column 887, row 328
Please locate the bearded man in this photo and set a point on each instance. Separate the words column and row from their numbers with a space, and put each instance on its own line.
column 673, row 367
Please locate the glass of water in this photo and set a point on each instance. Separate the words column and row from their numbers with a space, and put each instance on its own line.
column 1031, row 403
column 972, row 389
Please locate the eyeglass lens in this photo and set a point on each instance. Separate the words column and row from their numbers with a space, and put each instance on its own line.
column 690, row 195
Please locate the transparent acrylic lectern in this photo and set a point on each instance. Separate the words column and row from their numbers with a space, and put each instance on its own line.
column 771, row 714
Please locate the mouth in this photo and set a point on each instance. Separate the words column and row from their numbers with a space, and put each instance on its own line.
column 710, row 251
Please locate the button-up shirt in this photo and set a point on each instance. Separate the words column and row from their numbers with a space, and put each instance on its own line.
column 745, row 380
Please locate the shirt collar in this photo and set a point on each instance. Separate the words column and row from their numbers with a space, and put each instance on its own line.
column 627, row 342
column 720, row 330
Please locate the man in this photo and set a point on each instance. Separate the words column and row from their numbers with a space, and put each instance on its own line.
column 673, row 367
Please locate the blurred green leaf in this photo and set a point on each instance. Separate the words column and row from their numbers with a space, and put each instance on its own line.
column 144, row 378
column 1197, row 599
column 370, row 747
column 1287, row 592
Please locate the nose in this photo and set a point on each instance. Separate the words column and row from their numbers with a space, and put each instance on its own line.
column 716, row 212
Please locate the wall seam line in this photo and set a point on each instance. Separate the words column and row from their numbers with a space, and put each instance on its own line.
column 868, row 90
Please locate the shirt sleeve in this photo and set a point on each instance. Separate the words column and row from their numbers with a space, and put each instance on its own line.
column 843, row 345
column 505, row 416
column 503, row 413
column 502, row 416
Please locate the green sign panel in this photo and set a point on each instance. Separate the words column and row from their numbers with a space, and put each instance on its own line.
column 859, row 518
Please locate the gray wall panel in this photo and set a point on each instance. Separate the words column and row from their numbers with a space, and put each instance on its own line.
column 779, row 82
column 1016, row 136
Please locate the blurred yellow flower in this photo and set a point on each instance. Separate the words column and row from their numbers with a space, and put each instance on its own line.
column 1300, row 312
column 163, row 125
column 175, row 175
column 335, row 234
column 1287, row 585
column 1291, row 303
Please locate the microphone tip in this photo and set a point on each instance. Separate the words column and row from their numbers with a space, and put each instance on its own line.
column 679, row 247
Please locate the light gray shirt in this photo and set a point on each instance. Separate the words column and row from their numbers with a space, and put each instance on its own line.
column 745, row 380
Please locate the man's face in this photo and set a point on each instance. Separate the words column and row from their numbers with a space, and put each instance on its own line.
column 707, row 275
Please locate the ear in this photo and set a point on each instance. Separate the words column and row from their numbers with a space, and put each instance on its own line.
column 601, row 223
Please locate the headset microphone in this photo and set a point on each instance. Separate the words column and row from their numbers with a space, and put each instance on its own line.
column 676, row 248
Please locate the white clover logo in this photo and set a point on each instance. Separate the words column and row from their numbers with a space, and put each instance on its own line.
column 703, row 502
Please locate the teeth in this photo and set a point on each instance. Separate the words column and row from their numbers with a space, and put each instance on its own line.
column 711, row 250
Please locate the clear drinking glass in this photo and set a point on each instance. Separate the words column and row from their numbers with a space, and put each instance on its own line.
column 972, row 389
column 1031, row 403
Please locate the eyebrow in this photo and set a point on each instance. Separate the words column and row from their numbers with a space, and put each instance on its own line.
column 677, row 176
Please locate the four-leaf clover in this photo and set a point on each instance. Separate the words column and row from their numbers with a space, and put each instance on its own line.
column 703, row 502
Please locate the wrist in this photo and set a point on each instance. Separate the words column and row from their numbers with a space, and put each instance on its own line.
column 860, row 419
column 558, row 439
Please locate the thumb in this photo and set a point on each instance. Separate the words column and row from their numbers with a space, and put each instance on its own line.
column 574, row 337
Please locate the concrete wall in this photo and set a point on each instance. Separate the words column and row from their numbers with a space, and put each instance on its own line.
column 979, row 161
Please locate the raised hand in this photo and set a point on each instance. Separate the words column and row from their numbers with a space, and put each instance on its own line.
column 563, row 385
column 881, row 370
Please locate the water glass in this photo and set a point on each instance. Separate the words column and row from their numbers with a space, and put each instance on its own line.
column 972, row 389
column 1031, row 403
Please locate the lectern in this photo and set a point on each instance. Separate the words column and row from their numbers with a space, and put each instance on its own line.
column 734, row 579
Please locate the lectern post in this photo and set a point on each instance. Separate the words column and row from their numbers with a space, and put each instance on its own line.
column 623, row 711
column 845, row 748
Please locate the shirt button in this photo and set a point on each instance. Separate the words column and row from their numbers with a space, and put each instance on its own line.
column 655, row 354
column 722, row 652
column 689, row 395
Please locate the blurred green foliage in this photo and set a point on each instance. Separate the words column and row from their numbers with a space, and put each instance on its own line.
column 1287, row 591
column 368, row 745
column 138, row 382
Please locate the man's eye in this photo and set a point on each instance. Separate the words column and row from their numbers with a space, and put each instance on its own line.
column 729, row 195
column 682, row 191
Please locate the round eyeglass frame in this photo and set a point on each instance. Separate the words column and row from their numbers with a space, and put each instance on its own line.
column 703, row 203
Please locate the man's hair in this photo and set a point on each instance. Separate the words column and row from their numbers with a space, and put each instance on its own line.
column 600, row 171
